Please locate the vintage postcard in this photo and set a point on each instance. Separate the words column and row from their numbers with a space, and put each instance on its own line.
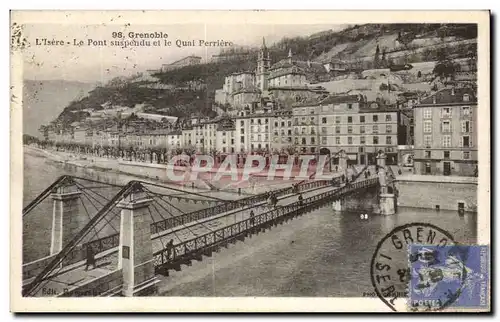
column 250, row 161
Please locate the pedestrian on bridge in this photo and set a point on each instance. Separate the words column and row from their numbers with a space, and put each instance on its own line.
column 366, row 175
column 301, row 200
column 170, row 247
column 90, row 258
column 252, row 217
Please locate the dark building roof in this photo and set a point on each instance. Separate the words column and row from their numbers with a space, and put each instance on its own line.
column 450, row 96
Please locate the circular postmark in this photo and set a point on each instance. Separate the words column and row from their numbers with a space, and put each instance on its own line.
column 408, row 265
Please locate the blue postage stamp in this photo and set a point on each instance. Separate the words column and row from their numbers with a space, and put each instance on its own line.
column 449, row 277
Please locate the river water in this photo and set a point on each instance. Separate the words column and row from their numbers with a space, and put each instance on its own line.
column 319, row 254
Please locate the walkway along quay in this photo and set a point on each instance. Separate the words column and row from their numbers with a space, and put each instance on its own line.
column 151, row 236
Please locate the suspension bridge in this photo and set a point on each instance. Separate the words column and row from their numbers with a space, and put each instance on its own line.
column 140, row 231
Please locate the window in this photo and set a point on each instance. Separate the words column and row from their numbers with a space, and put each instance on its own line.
column 259, row 138
column 466, row 126
column 427, row 126
column 337, row 140
column 466, row 97
column 446, row 154
column 465, row 110
column 427, row 154
column 362, row 140
column 466, row 141
column 337, row 129
column 289, row 132
column 313, row 149
column 375, row 129
column 349, row 140
column 362, row 129
column 388, row 140
column 313, row 131
column 303, row 130
column 242, row 123
column 323, row 140
column 303, row 141
column 283, row 123
column 349, row 129
column 446, row 141
column 388, row 129
column 349, row 106
column 289, row 123
column 311, row 111
column 466, row 155
column 267, row 121
column 242, row 139
column 427, row 113
column 375, row 140
column 296, row 140
column 323, row 130
column 362, row 119
column 375, row 118
column 242, row 131
column 349, row 119
column 313, row 141
column 276, row 124
column 259, row 122
column 446, row 112
column 337, row 119
column 232, row 141
column 446, row 127
column 388, row 117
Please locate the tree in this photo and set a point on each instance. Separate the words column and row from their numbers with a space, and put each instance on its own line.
column 445, row 67
column 376, row 60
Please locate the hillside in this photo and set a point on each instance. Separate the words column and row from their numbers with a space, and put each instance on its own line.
column 173, row 92
column 45, row 100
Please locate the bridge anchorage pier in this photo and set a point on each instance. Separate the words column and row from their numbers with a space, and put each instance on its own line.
column 387, row 200
column 135, row 256
column 65, row 219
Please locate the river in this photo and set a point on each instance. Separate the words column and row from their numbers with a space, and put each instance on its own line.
column 319, row 254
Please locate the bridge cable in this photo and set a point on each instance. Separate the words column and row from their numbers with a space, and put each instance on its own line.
column 172, row 216
column 88, row 196
column 77, row 238
column 180, row 190
column 41, row 197
column 88, row 215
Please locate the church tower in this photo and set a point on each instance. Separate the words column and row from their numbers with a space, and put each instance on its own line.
column 263, row 64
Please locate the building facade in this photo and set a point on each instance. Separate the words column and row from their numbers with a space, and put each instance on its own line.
column 345, row 123
column 446, row 133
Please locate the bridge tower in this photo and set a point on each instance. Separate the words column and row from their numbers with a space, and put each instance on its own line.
column 387, row 200
column 66, row 222
column 135, row 256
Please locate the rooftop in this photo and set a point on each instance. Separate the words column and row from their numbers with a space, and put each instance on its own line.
column 451, row 96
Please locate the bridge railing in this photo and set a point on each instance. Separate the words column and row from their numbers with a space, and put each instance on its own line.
column 184, row 250
column 171, row 222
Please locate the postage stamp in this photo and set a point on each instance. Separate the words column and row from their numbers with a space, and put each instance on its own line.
column 448, row 276
column 249, row 161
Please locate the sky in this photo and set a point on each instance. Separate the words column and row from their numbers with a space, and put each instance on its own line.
column 101, row 63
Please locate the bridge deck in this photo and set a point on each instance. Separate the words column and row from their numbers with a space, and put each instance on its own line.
column 76, row 275
column 200, row 227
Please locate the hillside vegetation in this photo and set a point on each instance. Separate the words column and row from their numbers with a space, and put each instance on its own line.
column 353, row 43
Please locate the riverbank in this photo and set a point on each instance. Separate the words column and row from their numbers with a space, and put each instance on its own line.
column 193, row 177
